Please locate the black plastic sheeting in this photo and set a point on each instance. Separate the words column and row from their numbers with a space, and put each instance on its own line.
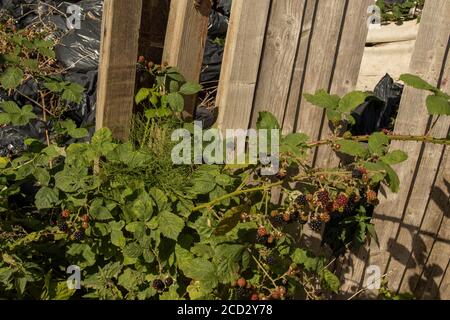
column 379, row 111
column 77, row 51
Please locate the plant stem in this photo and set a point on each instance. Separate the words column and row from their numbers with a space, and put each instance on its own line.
column 392, row 137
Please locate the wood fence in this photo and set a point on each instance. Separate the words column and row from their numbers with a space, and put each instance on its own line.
column 275, row 51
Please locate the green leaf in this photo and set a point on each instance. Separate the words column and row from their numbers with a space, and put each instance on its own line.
column 417, row 82
column 333, row 115
column 11, row 78
column 378, row 143
column 395, row 157
column 131, row 279
column 227, row 258
column 438, row 105
column 118, row 239
column 175, row 101
column 352, row 148
column 46, row 198
column 331, row 281
column 268, row 121
column 323, row 100
column 203, row 183
column 100, row 213
column 296, row 139
column 190, row 88
column 170, row 225
column 196, row 268
column 132, row 250
column 42, row 176
column 73, row 93
column 230, row 220
column 16, row 115
column 303, row 257
column 351, row 101
column 142, row 94
column 54, row 86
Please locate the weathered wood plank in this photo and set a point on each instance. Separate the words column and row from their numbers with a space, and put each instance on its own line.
column 184, row 45
column 346, row 71
column 301, row 60
column 241, row 63
column 321, row 58
column 412, row 119
column 117, row 67
column 277, row 62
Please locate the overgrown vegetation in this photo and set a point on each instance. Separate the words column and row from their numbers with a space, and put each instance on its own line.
column 140, row 227
column 399, row 11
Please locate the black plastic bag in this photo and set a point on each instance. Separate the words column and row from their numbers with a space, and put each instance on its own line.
column 379, row 111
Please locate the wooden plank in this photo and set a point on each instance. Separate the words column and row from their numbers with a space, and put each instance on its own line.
column 117, row 66
column 241, row 63
column 346, row 72
column 434, row 280
column 426, row 62
column 298, row 74
column 184, row 46
column 277, row 63
column 321, row 58
column 425, row 221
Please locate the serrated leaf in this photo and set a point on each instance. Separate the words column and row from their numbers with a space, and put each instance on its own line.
column 190, row 88
column 378, row 143
column 352, row 148
column 175, row 101
column 267, row 120
column 331, row 281
column 417, row 82
column 170, row 225
column 351, row 101
column 295, row 139
column 230, row 220
column 323, row 99
column 73, row 93
column 100, row 213
column 46, row 198
column 11, row 78
column 42, row 176
column 118, row 239
column 395, row 157
column 438, row 105
column 142, row 94
column 132, row 250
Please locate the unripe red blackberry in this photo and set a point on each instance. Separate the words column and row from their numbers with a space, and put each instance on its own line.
column 254, row 297
column 262, row 231
column 141, row 59
column 341, row 200
column 274, row 213
column 85, row 225
column 65, row 214
column 270, row 239
column 325, row 217
column 85, row 218
column 287, row 217
column 372, row 197
column 241, row 282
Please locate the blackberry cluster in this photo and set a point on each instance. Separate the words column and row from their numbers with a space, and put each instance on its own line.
column 323, row 197
column 63, row 227
column 301, row 200
column 78, row 235
column 158, row 285
column 315, row 225
column 341, row 200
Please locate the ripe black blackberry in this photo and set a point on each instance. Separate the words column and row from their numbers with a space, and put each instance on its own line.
column 357, row 174
column 295, row 216
column 63, row 226
column 78, row 235
column 301, row 200
column 158, row 285
column 168, row 281
column 316, row 225
column 278, row 219
column 323, row 196
column 242, row 293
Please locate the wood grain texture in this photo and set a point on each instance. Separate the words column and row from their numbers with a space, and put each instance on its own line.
column 347, row 66
column 321, row 58
column 241, row 62
column 413, row 119
column 184, row 45
column 298, row 74
column 117, row 66
column 277, row 63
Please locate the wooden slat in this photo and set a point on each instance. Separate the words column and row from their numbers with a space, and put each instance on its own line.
column 277, row 63
column 426, row 280
column 241, row 62
column 184, row 46
column 413, row 119
column 117, row 67
column 321, row 58
column 346, row 72
column 420, row 237
column 298, row 74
